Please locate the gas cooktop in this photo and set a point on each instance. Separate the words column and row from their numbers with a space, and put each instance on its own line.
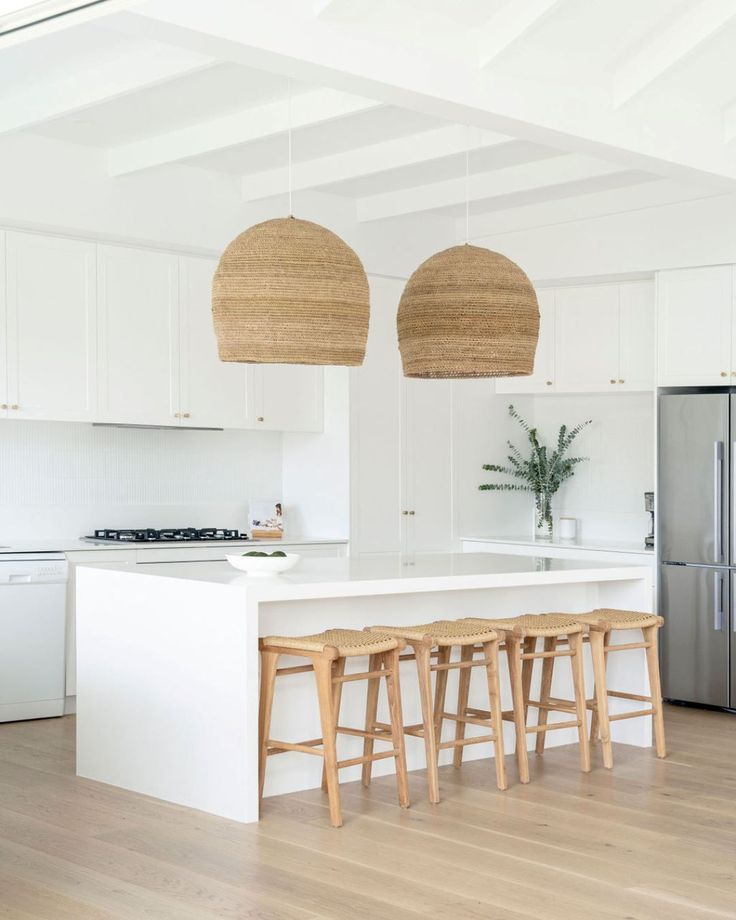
column 171, row 535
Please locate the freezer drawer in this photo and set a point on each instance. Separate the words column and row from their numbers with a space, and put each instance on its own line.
column 695, row 603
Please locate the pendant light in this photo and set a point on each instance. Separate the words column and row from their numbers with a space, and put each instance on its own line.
column 468, row 312
column 289, row 291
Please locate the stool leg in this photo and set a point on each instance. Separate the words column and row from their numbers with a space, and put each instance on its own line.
column 548, row 664
column 323, row 677
column 598, row 640
column 594, row 722
column 513, row 654
column 655, row 688
column 490, row 652
column 269, row 662
column 581, row 709
column 371, row 713
column 393, row 691
column 338, row 669
column 527, row 668
column 440, row 691
column 422, row 655
column 463, row 693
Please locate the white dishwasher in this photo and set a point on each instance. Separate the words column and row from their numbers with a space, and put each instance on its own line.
column 32, row 635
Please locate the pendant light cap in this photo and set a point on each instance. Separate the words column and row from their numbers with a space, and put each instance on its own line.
column 468, row 312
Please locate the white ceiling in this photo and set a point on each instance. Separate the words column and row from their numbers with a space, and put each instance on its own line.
column 556, row 100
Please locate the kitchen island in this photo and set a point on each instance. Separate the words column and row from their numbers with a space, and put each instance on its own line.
column 167, row 660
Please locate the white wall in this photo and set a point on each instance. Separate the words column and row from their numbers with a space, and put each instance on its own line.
column 62, row 480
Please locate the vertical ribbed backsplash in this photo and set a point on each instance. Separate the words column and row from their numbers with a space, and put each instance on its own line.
column 62, row 479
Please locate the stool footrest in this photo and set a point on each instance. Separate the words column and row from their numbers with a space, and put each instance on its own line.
column 467, row 719
column 626, row 645
column 355, row 761
column 553, row 705
column 462, row 742
column 363, row 675
column 297, row 669
column 360, row 733
column 551, row 726
column 306, row 747
column 532, row 656
column 454, row 665
column 631, row 715
column 620, row 695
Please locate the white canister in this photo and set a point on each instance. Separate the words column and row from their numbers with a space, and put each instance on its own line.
column 568, row 528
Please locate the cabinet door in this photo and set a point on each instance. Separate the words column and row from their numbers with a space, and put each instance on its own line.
column 586, row 339
column 377, row 499
column 694, row 326
column 51, row 327
column 636, row 336
column 543, row 378
column 289, row 397
column 213, row 393
column 3, row 333
column 138, row 332
column 427, row 460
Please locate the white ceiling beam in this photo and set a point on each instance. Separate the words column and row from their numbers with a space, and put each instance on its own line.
column 284, row 37
column 31, row 20
column 729, row 122
column 245, row 126
column 500, row 182
column 671, row 45
column 323, row 7
column 46, row 101
column 411, row 150
column 636, row 197
column 508, row 25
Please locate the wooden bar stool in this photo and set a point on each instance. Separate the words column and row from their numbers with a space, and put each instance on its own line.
column 598, row 625
column 436, row 641
column 328, row 652
column 522, row 633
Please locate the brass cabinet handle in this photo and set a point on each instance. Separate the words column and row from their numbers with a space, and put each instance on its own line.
column 260, row 418
column 186, row 415
column 411, row 512
column 549, row 383
column 724, row 374
column 613, row 380
column 4, row 406
column 404, row 512
column 15, row 406
column 177, row 415
column 622, row 381
column 733, row 373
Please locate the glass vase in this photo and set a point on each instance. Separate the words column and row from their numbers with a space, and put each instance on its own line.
column 542, row 516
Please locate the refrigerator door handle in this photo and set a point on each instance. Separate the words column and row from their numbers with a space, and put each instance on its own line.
column 718, row 603
column 718, row 498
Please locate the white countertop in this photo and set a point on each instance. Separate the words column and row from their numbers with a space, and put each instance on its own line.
column 371, row 575
column 608, row 546
column 77, row 545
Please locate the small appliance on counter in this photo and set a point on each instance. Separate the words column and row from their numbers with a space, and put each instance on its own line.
column 170, row 535
column 568, row 529
column 649, row 506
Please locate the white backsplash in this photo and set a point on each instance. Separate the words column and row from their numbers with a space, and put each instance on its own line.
column 64, row 479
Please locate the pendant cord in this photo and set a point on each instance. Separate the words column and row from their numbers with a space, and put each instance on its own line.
column 467, row 185
column 288, row 122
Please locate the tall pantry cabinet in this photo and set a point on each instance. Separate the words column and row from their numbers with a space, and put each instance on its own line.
column 401, row 453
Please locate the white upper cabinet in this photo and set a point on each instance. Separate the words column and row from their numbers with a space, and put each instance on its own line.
column 3, row 334
column 586, row 338
column 596, row 338
column 289, row 397
column 636, row 335
column 51, row 353
column 694, row 327
column 543, row 377
column 138, row 329
column 213, row 393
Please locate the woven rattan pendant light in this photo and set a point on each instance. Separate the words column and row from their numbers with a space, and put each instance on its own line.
column 289, row 291
column 468, row 312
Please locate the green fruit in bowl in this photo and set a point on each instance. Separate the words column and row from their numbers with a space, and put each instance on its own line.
column 255, row 552
column 279, row 553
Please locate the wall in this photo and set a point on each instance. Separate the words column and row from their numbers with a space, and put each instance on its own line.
column 62, row 480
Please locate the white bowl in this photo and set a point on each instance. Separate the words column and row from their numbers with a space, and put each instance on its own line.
column 263, row 565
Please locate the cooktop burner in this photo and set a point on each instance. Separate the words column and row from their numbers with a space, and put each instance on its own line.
column 171, row 535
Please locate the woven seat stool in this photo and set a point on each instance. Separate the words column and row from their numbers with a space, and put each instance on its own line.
column 598, row 625
column 436, row 641
column 521, row 634
column 328, row 652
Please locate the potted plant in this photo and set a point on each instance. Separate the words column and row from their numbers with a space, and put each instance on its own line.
column 542, row 472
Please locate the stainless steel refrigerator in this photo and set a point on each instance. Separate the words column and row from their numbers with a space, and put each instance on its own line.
column 696, row 511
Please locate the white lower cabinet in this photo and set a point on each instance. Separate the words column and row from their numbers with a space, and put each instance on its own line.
column 49, row 347
column 401, row 482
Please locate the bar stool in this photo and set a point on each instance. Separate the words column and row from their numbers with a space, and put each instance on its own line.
column 598, row 625
column 436, row 640
column 522, row 633
column 328, row 652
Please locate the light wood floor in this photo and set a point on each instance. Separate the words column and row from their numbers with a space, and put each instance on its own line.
column 651, row 840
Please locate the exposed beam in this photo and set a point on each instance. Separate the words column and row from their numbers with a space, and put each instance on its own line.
column 33, row 20
column 671, row 45
column 241, row 127
column 500, row 182
column 637, row 197
column 508, row 25
column 284, row 37
column 46, row 100
column 366, row 161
